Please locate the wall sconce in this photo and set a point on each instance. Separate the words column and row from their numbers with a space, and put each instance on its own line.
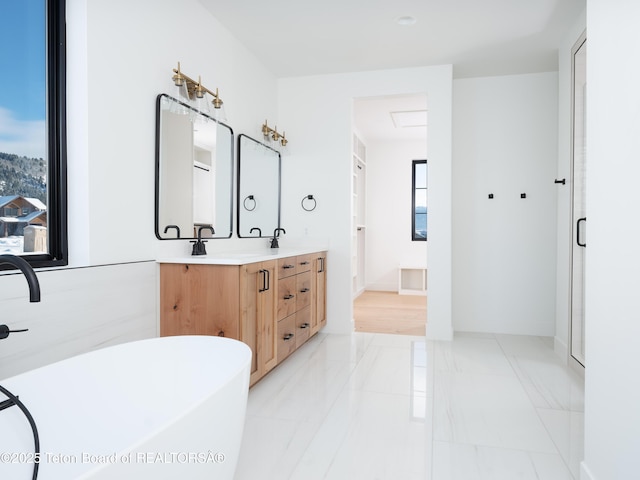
column 272, row 134
column 195, row 94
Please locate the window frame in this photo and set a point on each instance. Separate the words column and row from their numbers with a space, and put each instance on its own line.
column 415, row 238
column 56, row 122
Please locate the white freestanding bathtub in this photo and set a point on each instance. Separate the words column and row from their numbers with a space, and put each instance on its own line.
column 163, row 408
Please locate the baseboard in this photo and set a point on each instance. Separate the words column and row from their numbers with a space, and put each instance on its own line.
column 585, row 473
column 382, row 287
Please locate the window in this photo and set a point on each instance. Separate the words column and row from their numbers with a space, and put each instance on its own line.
column 419, row 201
column 32, row 131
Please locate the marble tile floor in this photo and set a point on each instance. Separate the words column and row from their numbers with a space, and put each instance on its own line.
column 394, row 407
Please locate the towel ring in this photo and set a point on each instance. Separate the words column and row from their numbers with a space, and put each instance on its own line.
column 309, row 197
column 249, row 198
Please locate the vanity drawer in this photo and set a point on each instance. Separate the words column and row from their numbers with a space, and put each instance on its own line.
column 303, row 325
column 287, row 296
column 303, row 289
column 304, row 263
column 287, row 267
column 286, row 337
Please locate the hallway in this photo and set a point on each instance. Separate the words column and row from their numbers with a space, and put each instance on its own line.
column 388, row 312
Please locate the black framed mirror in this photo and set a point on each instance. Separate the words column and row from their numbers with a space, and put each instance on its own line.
column 194, row 173
column 258, row 202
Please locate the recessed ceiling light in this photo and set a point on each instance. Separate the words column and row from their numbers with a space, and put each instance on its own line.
column 415, row 118
column 406, row 20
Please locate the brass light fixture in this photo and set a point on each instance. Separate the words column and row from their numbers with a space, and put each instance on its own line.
column 195, row 90
column 272, row 134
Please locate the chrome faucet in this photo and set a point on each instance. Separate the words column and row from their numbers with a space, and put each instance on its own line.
column 32, row 281
column 198, row 247
column 274, row 240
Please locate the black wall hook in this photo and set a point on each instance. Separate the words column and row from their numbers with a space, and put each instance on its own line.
column 563, row 181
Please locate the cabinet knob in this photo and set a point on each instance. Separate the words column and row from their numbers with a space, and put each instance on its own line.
column 287, row 336
column 304, row 325
column 304, row 290
column 288, row 297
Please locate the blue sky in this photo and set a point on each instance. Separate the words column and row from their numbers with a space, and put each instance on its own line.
column 22, row 83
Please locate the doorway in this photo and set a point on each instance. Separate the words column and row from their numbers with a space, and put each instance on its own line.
column 578, row 201
column 389, row 134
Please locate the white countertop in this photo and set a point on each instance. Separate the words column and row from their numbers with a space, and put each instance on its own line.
column 241, row 258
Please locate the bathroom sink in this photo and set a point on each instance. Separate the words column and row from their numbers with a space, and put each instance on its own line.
column 162, row 408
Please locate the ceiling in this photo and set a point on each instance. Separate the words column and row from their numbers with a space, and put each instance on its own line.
column 479, row 37
column 372, row 117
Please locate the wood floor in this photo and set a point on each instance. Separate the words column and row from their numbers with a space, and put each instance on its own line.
column 388, row 312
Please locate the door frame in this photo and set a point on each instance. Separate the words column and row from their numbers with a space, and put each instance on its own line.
column 572, row 360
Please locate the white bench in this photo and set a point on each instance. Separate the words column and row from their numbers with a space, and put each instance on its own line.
column 412, row 280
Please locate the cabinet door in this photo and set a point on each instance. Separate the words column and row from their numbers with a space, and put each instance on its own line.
column 320, row 303
column 268, row 305
column 251, row 281
column 258, row 313
column 199, row 300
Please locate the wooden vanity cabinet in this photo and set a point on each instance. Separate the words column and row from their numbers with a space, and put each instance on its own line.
column 273, row 306
column 235, row 301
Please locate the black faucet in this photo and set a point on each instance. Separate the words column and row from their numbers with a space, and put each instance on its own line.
column 198, row 247
column 256, row 228
column 32, row 280
column 274, row 240
column 166, row 229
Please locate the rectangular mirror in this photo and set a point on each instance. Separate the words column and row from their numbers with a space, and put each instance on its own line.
column 194, row 173
column 258, row 188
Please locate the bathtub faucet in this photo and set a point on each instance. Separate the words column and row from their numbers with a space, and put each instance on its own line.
column 32, row 280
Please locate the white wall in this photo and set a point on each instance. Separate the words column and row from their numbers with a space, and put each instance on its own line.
column 563, row 247
column 317, row 114
column 120, row 57
column 504, row 250
column 612, row 418
column 81, row 309
column 388, row 212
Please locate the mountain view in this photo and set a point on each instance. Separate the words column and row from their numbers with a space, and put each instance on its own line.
column 24, row 176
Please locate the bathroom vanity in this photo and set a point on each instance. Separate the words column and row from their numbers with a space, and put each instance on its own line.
column 273, row 301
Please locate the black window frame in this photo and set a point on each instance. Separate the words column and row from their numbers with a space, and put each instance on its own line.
column 414, row 237
column 56, row 123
